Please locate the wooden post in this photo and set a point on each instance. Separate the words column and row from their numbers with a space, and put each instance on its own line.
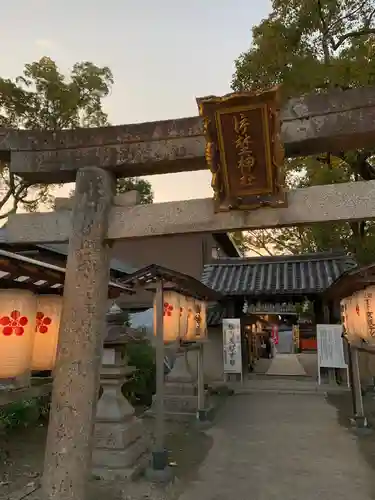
column 159, row 471
column 159, row 434
column 360, row 414
column 67, row 465
column 351, row 377
column 200, row 382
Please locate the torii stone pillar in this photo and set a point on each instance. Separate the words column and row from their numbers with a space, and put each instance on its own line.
column 67, row 465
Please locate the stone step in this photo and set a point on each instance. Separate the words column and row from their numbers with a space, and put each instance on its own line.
column 183, row 388
column 172, row 415
column 118, row 435
column 118, row 474
column 283, row 386
column 184, row 403
column 181, row 416
column 107, row 458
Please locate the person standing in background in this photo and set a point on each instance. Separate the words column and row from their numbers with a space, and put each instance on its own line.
column 268, row 342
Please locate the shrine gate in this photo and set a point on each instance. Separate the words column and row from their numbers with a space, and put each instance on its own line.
column 242, row 137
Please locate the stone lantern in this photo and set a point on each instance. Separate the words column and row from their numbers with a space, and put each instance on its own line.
column 120, row 446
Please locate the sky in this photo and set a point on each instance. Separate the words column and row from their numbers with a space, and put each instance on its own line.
column 163, row 54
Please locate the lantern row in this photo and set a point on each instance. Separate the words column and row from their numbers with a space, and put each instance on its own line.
column 358, row 314
column 29, row 329
column 184, row 318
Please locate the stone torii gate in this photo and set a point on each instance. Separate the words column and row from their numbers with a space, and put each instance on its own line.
column 312, row 124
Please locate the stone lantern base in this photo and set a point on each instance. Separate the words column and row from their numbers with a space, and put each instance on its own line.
column 121, row 443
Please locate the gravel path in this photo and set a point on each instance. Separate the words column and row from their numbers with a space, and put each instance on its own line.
column 272, row 446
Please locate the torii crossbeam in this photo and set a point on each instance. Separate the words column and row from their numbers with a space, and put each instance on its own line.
column 315, row 123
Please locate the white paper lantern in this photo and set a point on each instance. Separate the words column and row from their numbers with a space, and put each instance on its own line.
column 17, row 329
column 201, row 317
column 197, row 320
column 361, row 319
column 369, row 301
column 48, row 317
column 191, row 323
column 171, row 316
column 350, row 316
column 343, row 312
column 183, row 327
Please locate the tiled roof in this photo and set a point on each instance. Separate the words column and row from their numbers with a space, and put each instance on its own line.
column 215, row 314
column 280, row 275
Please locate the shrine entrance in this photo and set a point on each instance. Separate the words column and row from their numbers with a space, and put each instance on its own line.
column 242, row 139
column 278, row 297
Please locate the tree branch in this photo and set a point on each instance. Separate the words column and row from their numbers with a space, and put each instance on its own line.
column 254, row 250
column 6, row 198
column 321, row 17
column 278, row 242
column 259, row 242
column 326, row 39
column 9, row 212
column 369, row 19
column 350, row 14
column 351, row 34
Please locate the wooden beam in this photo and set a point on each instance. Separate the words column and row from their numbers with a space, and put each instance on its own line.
column 315, row 123
column 332, row 203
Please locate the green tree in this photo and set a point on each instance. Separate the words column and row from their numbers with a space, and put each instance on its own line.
column 306, row 45
column 134, row 184
column 46, row 99
column 142, row 186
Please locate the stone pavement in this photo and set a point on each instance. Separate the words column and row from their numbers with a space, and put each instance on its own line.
column 281, row 446
column 286, row 365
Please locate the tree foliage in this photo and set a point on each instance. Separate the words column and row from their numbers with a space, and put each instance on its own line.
column 134, row 184
column 44, row 98
column 308, row 45
column 142, row 186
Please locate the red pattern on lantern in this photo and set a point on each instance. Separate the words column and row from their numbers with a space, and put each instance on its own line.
column 14, row 323
column 42, row 322
column 168, row 309
column 357, row 309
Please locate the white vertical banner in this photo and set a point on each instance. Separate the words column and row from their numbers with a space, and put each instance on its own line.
column 232, row 345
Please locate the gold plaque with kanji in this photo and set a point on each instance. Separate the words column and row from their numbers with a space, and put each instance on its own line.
column 243, row 149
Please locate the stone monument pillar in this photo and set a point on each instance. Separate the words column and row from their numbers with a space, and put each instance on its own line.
column 120, row 445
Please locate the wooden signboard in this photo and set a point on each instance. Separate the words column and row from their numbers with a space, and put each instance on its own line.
column 244, row 150
column 330, row 348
